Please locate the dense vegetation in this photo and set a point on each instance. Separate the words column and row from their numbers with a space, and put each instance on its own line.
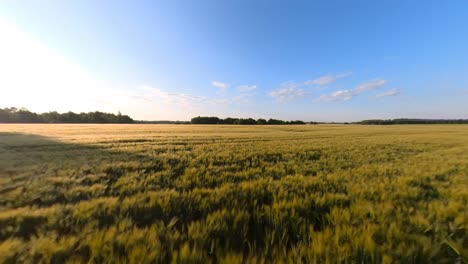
column 22, row 115
column 402, row 121
column 233, row 194
column 212, row 120
column 163, row 122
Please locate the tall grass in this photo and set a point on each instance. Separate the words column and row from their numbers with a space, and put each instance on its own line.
column 229, row 194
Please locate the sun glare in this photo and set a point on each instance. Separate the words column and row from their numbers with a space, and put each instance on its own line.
column 40, row 78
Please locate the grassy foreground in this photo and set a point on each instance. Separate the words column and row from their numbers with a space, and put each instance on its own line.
column 233, row 194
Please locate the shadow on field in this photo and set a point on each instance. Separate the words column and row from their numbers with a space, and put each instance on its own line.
column 38, row 170
column 45, row 149
column 18, row 151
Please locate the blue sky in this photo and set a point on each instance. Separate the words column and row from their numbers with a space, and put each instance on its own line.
column 309, row 60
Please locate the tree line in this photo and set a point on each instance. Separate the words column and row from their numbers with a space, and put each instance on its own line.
column 212, row 120
column 163, row 122
column 23, row 115
column 412, row 121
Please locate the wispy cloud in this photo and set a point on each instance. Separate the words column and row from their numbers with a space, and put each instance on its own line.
column 156, row 95
column 242, row 98
column 345, row 95
column 149, row 93
column 220, row 85
column 327, row 79
column 369, row 86
column 341, row 95
column 288, row 91
column 391, row 92
column 246, row 88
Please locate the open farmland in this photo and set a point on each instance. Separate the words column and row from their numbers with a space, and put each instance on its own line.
column 233, row 194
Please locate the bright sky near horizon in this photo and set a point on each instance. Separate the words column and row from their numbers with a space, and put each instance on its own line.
column 309, row 60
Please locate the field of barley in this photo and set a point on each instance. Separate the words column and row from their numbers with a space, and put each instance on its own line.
column 233, row 194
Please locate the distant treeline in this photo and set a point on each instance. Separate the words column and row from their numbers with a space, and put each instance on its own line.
column 242, row 121
column 412, row 121
column 23, row 115
column 163, row 122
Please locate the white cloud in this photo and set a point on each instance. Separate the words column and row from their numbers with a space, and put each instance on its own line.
column 153, row 94
column 327, row 79
column 370, row 85
column 246, row 88
column 288, row 91
column 322, row 80
column 345, row 95
column 391, row 92
column 157, row 95
column 220, row 85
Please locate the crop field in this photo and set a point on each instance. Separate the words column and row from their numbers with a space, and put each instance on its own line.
column 233, row 194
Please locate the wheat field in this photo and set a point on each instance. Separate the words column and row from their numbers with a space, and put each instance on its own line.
column 233, row 194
